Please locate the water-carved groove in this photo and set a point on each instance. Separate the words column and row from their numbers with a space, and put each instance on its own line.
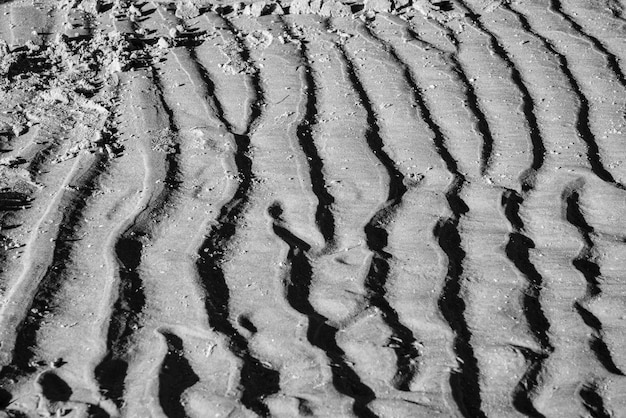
column 518, row 245
column 593, row 402
column 611, row 59
column 53, row 388
column 74, row 199
column 464, row 381
column 482, row 126
column 43, row 302
column 376, row 235
column 323, row 215
column 582, row 118
column 586, row 263
column 175, row 376
column 45, row 151
column 517, row 250
column 423, row 44
column 257, row 379
column 256, row 107
column 481, row 120
column 320, row 333
column 454, row 292
column 126, row 316
column 527, row 178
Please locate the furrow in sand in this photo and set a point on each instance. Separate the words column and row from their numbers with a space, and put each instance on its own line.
column 173, row 296
column 194, row 61
column 79, row 190
column 414, row 153
column 528, row 178
column 439, row 139
column 283, row 172
column 494, row 280
column 42, row 152
column 324, row 216
column 52, row 220
column 176, row 295
column 206, row 90
column 396, row 189
column 491, row 94
column 354, row 176
column 556, row 7
column 605, row 95
column 27, row 291
column 320, row 332
column 41, row 223
column 473, row 101
column 486, row 156
column 257, row 104
column 377, row 231
column 466, row 342
column 220, row 57
column 599, row 204
column 593, row 401
column 82, row 302
column 605, row 22
column 615, row 8
column 157, row 136
column 172, row 312
column 555, row 139
column 464, row 380
column 175, row 376
column 586, row 262
column 356, row 180
column 582, row 120
column 554, row 244
column 517, row 250
column 410, row 143
column 191, row 60
column 434, row 34
column 257, row 380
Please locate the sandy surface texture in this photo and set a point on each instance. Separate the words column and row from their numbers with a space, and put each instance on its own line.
column 378, row 208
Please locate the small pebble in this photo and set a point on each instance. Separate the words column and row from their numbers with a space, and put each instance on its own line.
column 162, row 43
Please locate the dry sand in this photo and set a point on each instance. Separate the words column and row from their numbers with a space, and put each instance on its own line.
column 392, row 208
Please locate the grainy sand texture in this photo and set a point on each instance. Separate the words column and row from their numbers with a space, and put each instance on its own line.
column 378, row 208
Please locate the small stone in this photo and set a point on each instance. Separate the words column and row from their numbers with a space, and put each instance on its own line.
column 19, row 129
column 115, row 66
column 162, row 43
column 186, row 10
column 256, row 9
column 133, row 10
column 335, row 9
column 57, row 363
